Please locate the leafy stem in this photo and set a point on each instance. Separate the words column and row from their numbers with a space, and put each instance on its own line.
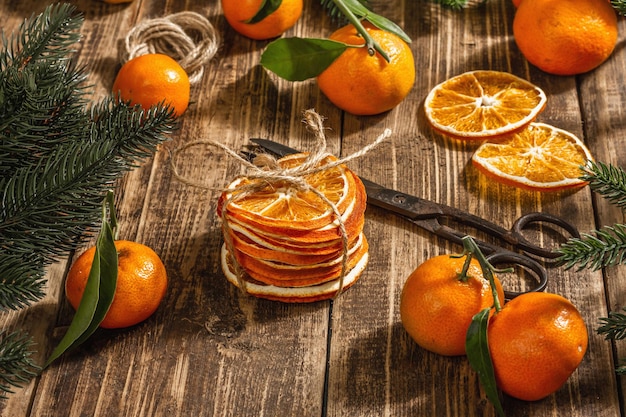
column 371, row 44
column 298, row 59
column 476, row 341
column 99, row 288
column 471, row 249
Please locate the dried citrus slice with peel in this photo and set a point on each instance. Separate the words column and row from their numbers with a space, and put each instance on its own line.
column 541, row 157
column 280, row 204
column 287, row 239
column 480, row 105
column 305, row 294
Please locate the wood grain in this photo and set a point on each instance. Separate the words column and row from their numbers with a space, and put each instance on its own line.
column 212, row 351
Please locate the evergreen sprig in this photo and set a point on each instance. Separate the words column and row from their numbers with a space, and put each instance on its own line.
column 596, row 250
column 604, row 247
column 614, row 326
column 16, row 364
column 608, row 181
column 619, row 6
column 59, row 156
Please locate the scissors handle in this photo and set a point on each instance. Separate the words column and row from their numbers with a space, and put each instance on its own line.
column 515, row 236
column 505, row 257
column 517, row 232
column 496, row 255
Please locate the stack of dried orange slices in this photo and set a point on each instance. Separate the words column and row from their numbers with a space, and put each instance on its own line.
column 499, row 109
column 295, row 242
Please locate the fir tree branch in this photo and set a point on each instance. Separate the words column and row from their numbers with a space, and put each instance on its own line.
column 58, row 157
column 58, row 200
column 49, row 36
column 619, row 6
column 21, row 283
column 42, row 99
column 608, row 181
column 614, row 326
column 16, row 364
column 599, row 249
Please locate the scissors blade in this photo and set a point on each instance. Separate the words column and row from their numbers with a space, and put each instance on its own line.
column 406, row 205
column 275, row 148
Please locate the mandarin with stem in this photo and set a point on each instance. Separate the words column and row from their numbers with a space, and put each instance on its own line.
column 437, row 303
column 364, row 84
column 536, row 341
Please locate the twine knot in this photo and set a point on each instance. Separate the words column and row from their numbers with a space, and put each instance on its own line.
column 187, row 37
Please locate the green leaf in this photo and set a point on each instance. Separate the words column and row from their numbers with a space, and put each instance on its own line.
column 381, row 22
column 98, row 294
column 267, row 8
column 297, row 59
column 386, row 24
column 479, row 357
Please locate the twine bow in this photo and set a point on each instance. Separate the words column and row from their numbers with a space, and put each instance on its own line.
column 187, row 37
column 264, row 171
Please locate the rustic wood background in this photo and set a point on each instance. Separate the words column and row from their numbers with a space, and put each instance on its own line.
column 209, row 351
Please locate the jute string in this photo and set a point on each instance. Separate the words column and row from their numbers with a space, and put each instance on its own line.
column 264, row 170
column 187, row 37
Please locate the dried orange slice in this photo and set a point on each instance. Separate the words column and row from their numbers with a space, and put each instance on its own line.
column 483, row 104
column 541, row 157
column 305, row 294
column 279, row 204
column 352, row 219
column 288, row 240
column 300, row 275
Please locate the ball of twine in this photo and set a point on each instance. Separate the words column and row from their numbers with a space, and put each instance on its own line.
column 187, row 37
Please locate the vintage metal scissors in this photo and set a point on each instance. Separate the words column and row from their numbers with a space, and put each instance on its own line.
column 428, row 216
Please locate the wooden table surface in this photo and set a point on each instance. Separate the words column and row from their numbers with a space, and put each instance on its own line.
column 211, row 351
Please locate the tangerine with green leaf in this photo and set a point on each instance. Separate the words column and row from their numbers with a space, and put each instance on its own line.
column 141, row 283
column 364, row 84
column 437, row 302
column 536, row 341
column 259, row 19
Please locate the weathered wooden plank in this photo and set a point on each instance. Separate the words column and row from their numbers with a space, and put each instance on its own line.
column 375, row 367
column 209, row 350
column 603, row 103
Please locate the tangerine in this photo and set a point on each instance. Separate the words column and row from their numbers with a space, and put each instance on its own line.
column 565, row 37
column 239, row 12
column 437, row 306
column 152, row 79
column 362, row 84
column 536, row 341
column 141, row 283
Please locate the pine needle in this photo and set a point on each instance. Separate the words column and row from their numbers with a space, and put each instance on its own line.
column 596, row 250
column 614, row 326
column 16, row 364
column 619, row 6
column 608, row 181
